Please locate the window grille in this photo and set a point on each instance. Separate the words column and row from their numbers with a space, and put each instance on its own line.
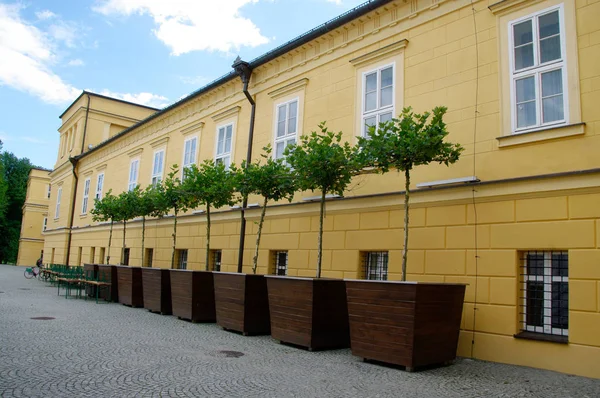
column 280, row 263
column 216, row 260
column 376, row 266
column 182, row 258
column 544, row 295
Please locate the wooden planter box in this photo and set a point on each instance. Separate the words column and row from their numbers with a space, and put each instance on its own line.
column 90, row 271
column 131, row 290
column 242, row 303
column 157, row 290
column 108, row 273
column 309, row 312
column 405, row 323
column 193, row 295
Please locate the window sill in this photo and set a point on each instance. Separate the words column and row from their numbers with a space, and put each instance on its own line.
column 542, row 337
column 542, row 134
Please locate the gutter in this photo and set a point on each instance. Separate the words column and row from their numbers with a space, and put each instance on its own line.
column 312, row 34
column 244, row 70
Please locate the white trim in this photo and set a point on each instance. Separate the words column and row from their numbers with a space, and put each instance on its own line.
column 538, row 69
column 133, row 179
column 378, row 111
column 99, row 186
column 194, row 154
column 286, row 137
column 45, row 224
column 159, row 175
column 86, row 195
column 461, row 180
column 58, row 199
column 48, row 190
column 225, row 154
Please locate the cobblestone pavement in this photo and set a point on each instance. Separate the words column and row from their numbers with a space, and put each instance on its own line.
column 109, row 350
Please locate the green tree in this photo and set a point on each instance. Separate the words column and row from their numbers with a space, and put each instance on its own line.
column 405, row 142
column 13, row 191
column 272, row 180
column 146, row 205
column 213, row 186
column 322, row 162
column 126, row 203
column 106, row 209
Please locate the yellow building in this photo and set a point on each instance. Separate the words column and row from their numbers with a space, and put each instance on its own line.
column 35, row 217
column 517, row 218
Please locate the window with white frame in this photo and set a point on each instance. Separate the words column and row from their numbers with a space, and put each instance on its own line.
column 158, row 166
column 377, row 97
column 545, row 292
column 99, row 186
column 224, row 137
column 539, row 95
column 189, row 154
column 134, row 168
column 86, row 195
column 45, row 224
column 48, row 190
column 286, row 129
column 58, row 199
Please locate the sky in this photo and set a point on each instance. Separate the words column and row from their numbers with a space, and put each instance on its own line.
column 151, row 52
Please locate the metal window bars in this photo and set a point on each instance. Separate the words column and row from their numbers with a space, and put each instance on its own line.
column 544, row 292
column 280, row 263
column 183, row 259
column 375, row 266
column 216, row 260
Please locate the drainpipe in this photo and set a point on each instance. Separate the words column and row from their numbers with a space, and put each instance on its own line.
column 244, row 71
column 74, row 161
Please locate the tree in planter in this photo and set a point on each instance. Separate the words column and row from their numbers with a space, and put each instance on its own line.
column 107, row 209
column 127, row 209
column 408, row 141
column 272, row 180
column 322, row 162
column 148, row 202
column 211, row 185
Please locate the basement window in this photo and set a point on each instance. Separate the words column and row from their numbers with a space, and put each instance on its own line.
column 375, row 265
column 148, row 256
column 182, row 258
column 215, row 260
column 279, row 262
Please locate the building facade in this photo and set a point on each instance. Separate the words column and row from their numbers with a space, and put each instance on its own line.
column 35, row 217
column 521, row 80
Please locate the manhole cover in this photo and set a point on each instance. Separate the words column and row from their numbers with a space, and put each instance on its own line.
column 24, row 288
column 231, row 354
column 43, row 318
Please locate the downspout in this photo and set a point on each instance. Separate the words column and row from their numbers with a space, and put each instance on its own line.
column 74, row 161
column 244, row 70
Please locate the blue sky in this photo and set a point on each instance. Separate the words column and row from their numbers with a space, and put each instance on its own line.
column 147, row 51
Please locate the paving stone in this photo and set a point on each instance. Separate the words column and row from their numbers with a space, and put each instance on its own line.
column 110, row 350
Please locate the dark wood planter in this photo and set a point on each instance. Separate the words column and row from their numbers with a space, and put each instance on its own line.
column 193, row 295
column 90, row 271
column 157, row 290
column 242, row 303
column 108, row 273
column 405, row 323
column 131, row 290
column 309, row 312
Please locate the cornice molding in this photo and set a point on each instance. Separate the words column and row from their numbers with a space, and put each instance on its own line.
column 226, row 114
column 193, row 127
column 135, row 152
column 504, row 6
column 379, row 53
column 159, row 142
column 289, row 88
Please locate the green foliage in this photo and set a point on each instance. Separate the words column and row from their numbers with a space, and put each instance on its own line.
column 322, row 162
column 210, row 185
column 127, row 205
column 409, row 141
column 169, row 195
column 106, row 209
column 14, row 173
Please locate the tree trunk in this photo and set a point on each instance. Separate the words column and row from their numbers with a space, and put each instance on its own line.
column 320, row 246
column 207, row 235
column 123, row 251
column 174, row 241
column 109, row 242
column 405, row 246
column 258, row 233
column 143, row 237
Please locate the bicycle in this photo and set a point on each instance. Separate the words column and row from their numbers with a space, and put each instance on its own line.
column 36, row 272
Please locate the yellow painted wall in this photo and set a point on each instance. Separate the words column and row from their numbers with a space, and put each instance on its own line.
column 35, row 209
column 445, row 54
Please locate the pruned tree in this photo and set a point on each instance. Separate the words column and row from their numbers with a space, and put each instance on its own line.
column 106, row 209
column 127, row 204
column 211, row 185
column 323, row 162
column 273, row 180
column 147, row 207
column 410, row 140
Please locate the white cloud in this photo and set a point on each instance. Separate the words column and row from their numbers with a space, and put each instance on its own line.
column 186, row 26
column 66, row 32
column 194, row 80
column 338, row 2
column 75, row 62
column 148, row 99
column 46, row 14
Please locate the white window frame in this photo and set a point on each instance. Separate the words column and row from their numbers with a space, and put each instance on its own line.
column 547, row 280
column 157, row 177
column 287, row 136
column 48, row 190
column 225, row 155
column 86, row 195
column 186, row 163
column 182, row 261
column 58, row 199
column 134, row 171
column 99, row 186
column 537, row 70
column 45, row 224
column 285, row 268
column 378, row 111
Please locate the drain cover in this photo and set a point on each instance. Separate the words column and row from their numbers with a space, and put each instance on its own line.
column 24, row 288
column 43, row 318
column 231, row 354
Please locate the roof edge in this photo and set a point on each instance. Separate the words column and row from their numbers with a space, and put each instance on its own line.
column 105, row 97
